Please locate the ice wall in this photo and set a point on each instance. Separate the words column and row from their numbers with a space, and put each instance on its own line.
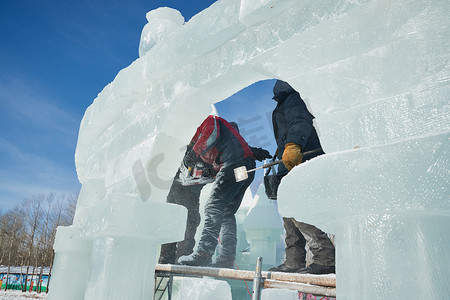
column 374, row 73
column 162, row 22
column 263, row 230
column 203, row 289
column 388, row 203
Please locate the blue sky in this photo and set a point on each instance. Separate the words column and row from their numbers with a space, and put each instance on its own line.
column 55, row 57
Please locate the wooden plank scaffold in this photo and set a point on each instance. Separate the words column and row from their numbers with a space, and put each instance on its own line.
column 319, row 285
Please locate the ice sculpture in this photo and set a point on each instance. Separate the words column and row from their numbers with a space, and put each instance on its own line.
column 161, row 23
column 203, row 289
column 268, row 294
column 263, row 229
column 374, row 73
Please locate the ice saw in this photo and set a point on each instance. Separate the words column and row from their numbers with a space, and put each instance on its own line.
column 241, row 173
column 201, row 173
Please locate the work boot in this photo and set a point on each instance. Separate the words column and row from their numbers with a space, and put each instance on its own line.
column 200, row 259
column 167, row 260
column 168, row 254
column 224, row 262
column 317, row 269
column 284, row 267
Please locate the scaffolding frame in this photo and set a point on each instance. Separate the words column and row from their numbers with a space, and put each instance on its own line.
column 318, row 285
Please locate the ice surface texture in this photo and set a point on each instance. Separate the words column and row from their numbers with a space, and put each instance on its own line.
column 374, row 73
column 203, row 289
column 263, row 228
column 389, row 208
column 161, row 23
column 269, row 294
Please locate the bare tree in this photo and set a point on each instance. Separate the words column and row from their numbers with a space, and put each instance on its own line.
column 46, row 238
column 12, row 230
column 64, row 212
column 71, row 206
column 32, row 211
column 27, row 232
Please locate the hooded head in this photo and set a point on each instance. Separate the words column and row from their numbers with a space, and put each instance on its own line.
column 281, row 90
column 235, row 126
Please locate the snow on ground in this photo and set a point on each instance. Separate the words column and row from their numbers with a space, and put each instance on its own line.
column 19, row 295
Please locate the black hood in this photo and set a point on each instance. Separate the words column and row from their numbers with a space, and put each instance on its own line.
column 281, row 90
column 235, row 126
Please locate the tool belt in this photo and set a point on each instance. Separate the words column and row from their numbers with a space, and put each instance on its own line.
column 271, row 182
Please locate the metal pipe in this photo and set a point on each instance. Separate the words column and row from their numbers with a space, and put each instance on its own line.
column 169, row 288
column 241, row 173
column 320, row 280
column 257, row 280
column 301, row 287
column 277, row 162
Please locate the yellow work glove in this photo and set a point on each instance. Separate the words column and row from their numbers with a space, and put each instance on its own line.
column 292, row 155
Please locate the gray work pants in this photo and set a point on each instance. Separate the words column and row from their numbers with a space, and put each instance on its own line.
column 297, row 235
column 223, row 202
column 189, row 197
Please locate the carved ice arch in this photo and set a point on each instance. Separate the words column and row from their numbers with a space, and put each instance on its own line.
column 322, row 49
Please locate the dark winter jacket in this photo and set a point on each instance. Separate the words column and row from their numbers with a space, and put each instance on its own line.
column 217, row 142
column 292, row 123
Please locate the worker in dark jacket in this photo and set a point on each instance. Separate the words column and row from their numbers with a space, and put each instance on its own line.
column 216, row 142
column 188, row 195
column 295, row 134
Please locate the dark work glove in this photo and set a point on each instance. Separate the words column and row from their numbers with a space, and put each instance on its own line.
column 208, row 170
column 260, row 154
column 292, row 155
column 190, row 159
column 189, row 148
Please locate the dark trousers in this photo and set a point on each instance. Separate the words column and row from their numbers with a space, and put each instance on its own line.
column 189, row 197
column 221, row 206
column 297, row 235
